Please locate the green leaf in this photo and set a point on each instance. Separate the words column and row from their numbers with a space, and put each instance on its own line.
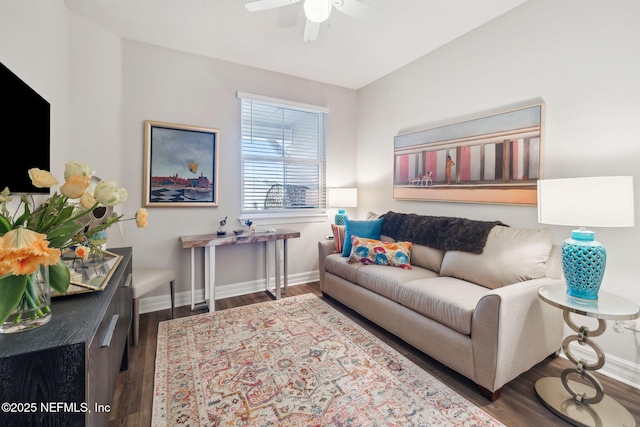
column 4, row 225
column 59, row 277
column 63, row 215
column 11, row 290
column 64, row 229
column 23, row 217
column 63, row 242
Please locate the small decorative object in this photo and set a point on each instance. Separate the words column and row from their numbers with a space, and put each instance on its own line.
column 342, row 198
column 221, row 232
column 594, row 202
column 252, row 227
column 238, row 232
column 91, row 272
column 32, row 241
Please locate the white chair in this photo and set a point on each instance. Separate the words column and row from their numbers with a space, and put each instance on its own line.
column 426, row 179
column 144, row 281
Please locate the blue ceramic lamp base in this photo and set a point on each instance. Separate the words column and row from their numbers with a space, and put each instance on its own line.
column 583, row 264
column 341, row 217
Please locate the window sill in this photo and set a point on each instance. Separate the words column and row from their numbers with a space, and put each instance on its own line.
column 260, row 219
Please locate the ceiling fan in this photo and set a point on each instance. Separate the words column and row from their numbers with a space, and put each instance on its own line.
column 318, row 11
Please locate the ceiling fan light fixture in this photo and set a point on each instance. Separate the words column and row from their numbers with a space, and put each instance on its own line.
column 317, row 10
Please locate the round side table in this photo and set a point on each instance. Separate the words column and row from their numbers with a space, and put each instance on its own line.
column 576, row 402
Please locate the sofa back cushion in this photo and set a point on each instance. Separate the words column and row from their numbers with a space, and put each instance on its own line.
column 510, row 255
column 426, row 257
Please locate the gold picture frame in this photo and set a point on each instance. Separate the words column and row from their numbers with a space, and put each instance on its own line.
column 180, row 165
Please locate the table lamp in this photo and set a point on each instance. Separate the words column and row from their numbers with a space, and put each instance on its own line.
column 585, row 202
column 342, row 198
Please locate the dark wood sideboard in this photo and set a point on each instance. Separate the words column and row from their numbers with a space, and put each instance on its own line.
column 64, row 373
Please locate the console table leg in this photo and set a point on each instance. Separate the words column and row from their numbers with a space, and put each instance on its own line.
column 194, row 305
column 286, row 266
column 192, row 273
column 278, row 273
column 267, row 270
column 210, row 278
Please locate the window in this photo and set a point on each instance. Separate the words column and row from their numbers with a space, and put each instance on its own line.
column 283, row 157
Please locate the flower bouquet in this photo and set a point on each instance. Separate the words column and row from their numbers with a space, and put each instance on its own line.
column 33, row 239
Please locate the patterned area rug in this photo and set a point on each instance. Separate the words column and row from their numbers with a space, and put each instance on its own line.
column 294, row 362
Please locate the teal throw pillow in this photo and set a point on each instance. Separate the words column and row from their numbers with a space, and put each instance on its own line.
column 367, row 229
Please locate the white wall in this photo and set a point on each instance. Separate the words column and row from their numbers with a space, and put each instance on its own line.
column 95, row 99
column 169, row 86
column 34, row 45
column 581, row 58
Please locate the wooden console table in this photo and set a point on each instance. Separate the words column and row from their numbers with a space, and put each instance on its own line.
column 64, row 373
column 209, row 243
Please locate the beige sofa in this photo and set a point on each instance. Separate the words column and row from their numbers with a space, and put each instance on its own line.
column 478, row 314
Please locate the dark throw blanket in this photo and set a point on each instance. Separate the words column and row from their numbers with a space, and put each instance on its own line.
column 439, row 232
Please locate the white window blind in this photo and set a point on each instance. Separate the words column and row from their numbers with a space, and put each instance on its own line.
column 283, row 156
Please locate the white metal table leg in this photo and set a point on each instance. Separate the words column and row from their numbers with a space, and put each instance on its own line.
column 286, row 269
column 210, row 281
column 278, row 278
column 193, row 278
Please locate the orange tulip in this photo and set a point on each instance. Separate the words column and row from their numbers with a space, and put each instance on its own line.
column 141, row 218
column 75, row 186
column 82, row 252
column 23, row 250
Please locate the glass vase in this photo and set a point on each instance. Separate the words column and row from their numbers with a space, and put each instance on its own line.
column 34, row 308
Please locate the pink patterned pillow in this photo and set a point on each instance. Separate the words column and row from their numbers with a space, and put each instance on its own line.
column 370, row 251
column 338, row 236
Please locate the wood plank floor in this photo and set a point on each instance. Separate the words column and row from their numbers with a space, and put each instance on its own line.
column 518, row 405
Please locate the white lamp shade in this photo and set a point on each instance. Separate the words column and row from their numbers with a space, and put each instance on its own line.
column 587, row 202
column 317, row 10
column 343, row 197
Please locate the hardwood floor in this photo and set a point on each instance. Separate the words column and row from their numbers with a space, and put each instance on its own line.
column 517, row 406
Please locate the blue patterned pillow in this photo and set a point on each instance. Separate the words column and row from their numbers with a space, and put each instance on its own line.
column 366, row 229
column 371, row 251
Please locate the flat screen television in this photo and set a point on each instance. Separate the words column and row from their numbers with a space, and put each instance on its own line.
column 25, row 129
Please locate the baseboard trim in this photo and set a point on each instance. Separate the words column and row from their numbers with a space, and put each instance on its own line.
column 615, row 367
column 162, row 302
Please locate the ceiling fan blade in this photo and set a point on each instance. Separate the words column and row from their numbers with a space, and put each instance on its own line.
column 311, row 30
column 356, row 9
column 257, row 6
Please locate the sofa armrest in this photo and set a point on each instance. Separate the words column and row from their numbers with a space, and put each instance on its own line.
column 513, row 330
column 325, row 248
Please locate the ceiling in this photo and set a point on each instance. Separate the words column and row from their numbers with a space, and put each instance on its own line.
column 348, row 52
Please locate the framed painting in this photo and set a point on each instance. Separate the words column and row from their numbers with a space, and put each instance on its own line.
column 180, row 165
column 489, row 159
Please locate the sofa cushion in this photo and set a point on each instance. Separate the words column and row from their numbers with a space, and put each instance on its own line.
column 386, row 280
column 361, row 228
column 510, row 255
column 427, row 257
column 447, row 300
column 338, row 265
column 371, row 251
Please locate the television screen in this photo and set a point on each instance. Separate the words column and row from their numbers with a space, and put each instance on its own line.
column 25, row 129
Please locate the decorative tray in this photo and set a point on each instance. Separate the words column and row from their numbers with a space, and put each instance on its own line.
column 91, row 274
